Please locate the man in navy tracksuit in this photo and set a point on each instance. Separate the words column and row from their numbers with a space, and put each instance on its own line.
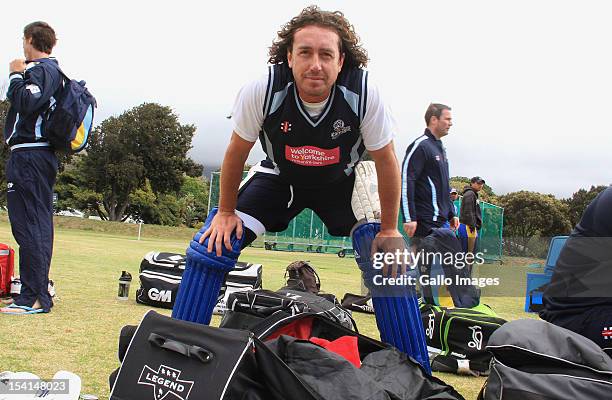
column 32, row 166
column 579, row 296
column 425, row 178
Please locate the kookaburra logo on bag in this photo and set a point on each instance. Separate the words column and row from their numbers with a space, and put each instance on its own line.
column 339, row 129
column 476, row 342
column 431, row 325
column 165, row 296
column 165, row 381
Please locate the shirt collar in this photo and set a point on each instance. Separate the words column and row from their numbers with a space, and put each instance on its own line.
column 431, row 135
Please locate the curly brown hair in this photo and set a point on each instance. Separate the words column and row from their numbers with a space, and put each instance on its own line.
column 354, row 54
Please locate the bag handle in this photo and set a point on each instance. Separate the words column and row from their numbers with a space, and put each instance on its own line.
column 190, row 351
column 241, row 268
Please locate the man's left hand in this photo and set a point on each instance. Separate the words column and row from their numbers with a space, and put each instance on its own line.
column 454, row 223
column 391, row 241
column 17, row 65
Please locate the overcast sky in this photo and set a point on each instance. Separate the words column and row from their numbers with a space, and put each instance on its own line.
column 529, row 81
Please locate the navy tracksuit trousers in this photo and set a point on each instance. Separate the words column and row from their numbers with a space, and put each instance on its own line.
column 30, row 177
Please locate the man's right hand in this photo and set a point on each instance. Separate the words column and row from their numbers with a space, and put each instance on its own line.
column 17, row 65
column 220, row 231
column 410, row 228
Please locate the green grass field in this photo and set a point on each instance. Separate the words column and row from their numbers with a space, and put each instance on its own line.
column 81, row 333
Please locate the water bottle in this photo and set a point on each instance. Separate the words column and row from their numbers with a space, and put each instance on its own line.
column 124, row 285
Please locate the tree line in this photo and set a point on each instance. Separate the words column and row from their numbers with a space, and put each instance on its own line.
column 136, row 166
column 532, row 218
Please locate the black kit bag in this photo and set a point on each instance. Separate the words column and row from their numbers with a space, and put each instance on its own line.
column 161, row 274
column 172, row 359
column 382, row 365
column 245, row 309
column 536, row 360
column 457, row 338
column 160, row 277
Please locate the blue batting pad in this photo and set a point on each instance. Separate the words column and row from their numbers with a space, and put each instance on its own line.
column 396, row 307
column 204, row 274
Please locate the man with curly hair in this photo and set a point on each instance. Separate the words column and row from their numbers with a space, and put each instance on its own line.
column 315, row 113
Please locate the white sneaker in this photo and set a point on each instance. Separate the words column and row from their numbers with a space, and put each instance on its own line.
column 73, row 386
column 8, row 375
column 51, row 289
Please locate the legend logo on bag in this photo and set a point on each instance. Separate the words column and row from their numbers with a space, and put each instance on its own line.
column 165, row 380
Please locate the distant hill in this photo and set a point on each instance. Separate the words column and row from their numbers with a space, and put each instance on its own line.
column 211, row 168
column 208, row 169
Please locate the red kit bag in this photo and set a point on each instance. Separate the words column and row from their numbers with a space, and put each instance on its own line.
column 7, row 269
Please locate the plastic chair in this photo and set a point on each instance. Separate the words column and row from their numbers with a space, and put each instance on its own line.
column 536, row 282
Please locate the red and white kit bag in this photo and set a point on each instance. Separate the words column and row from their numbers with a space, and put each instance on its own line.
column 7, row 269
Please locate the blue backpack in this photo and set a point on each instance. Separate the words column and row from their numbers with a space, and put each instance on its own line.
column 69, row 121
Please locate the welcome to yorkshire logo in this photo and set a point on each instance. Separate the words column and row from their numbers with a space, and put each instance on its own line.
column 165, row 381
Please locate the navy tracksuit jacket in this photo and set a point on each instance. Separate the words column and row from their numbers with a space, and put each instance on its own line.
column 425, row 184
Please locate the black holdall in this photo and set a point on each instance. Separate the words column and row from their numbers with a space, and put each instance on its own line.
column 228, row 364
column 457, row 338
column 160, row 277
column 536, row 360
column 244, row 309
column 169, row 359
column 161, row 274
